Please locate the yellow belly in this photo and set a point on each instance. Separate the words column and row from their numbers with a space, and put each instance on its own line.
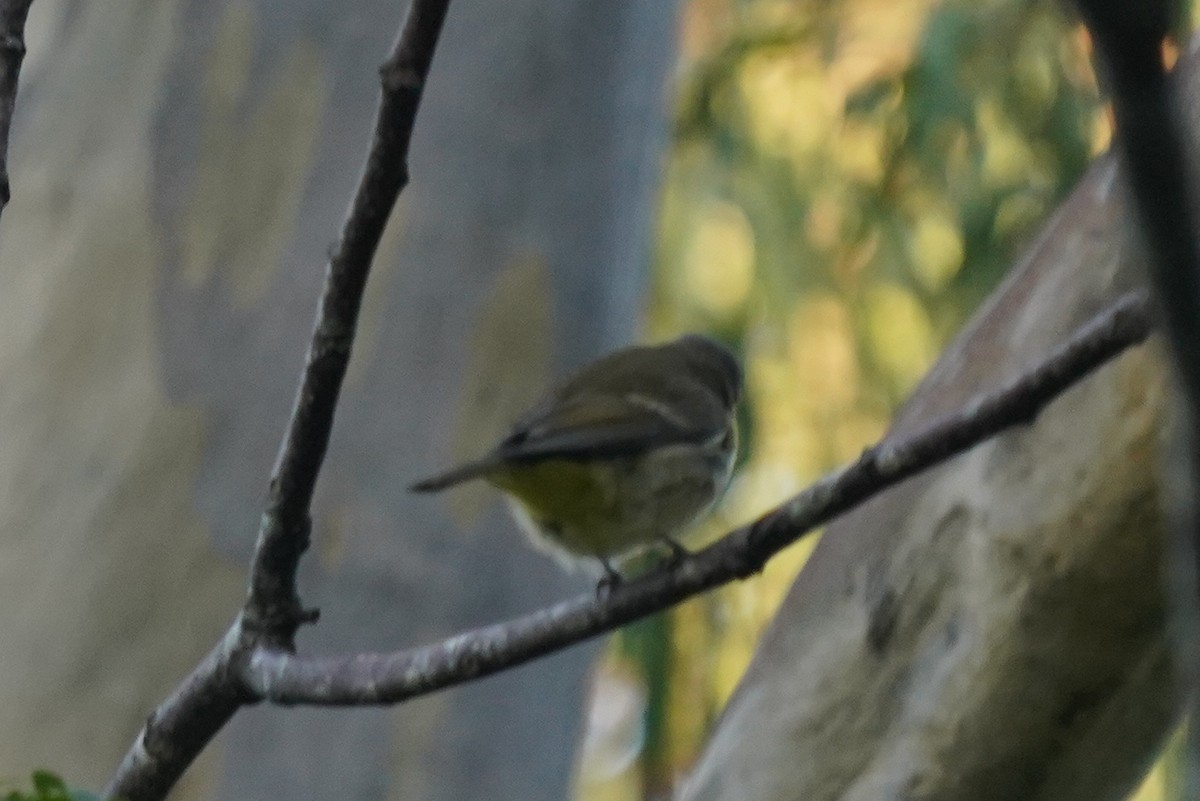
column 611, row 506
column 573, row 504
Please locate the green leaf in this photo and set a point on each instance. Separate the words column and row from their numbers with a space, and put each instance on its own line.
column 48, row 786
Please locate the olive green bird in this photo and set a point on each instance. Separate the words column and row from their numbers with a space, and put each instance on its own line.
column 627, row 452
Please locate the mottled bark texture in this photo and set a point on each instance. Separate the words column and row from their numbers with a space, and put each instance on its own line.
column 186, row 166
column 996, row 628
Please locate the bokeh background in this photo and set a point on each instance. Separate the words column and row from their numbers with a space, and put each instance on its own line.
column 830, row 186
column 846, row 182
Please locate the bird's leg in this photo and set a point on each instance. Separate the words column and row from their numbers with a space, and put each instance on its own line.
column 610, row 581
column 677, row 552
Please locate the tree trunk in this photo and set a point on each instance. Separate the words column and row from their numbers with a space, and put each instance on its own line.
column 993, row 629
column 179, row 171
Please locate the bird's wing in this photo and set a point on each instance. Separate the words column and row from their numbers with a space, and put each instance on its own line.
column 596, row 427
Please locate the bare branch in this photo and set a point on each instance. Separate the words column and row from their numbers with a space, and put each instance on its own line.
column 175, row 733
column 273, row 606
column 12, row 52
column 281, row 677
column 180, row 728
column 254, row 661
column 1150, row 125
column 1129, row 38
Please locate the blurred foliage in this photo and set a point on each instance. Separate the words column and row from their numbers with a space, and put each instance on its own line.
column 848, row 179
column 47, row 787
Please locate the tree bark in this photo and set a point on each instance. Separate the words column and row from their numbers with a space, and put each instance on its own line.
column 179, row 171
column 995, row 628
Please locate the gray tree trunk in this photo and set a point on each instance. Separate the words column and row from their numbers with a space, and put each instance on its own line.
column 179, row 171
column 994, row 629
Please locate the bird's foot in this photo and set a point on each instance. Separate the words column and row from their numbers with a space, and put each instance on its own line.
column 609, row 582
column 676, row 553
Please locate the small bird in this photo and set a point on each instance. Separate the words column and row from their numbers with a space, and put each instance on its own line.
column 625, row 453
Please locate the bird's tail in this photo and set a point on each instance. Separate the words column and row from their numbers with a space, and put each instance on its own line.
column 458, row 475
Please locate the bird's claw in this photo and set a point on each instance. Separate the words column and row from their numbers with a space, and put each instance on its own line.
column 608, row 582
column 677, row 553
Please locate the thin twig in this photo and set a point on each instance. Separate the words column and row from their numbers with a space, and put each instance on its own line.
column 12, row 52
column 183, row 724
column 273, row 605
column 175, row 733
column 363, row 679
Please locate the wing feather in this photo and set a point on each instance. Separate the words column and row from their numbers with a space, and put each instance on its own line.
column 594, row 428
